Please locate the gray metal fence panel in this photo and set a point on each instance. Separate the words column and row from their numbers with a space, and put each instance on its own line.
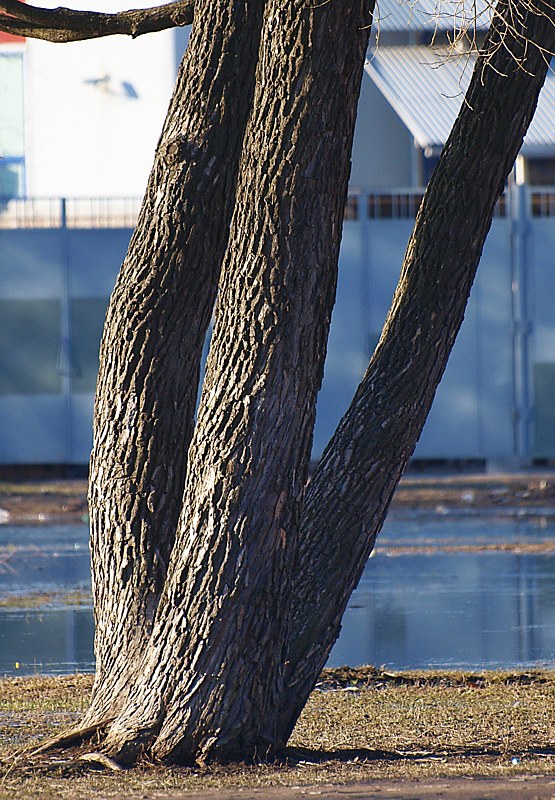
column 58, row 267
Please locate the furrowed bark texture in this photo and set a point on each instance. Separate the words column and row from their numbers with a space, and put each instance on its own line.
column 66, row 25
column 153, row 339
column 212, row 676
column 348, row 497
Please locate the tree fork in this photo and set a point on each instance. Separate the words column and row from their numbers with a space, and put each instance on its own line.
column 348, row 497
column 211, row 679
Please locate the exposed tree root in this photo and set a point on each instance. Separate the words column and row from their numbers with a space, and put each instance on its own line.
column 102, row 759
column 73, row 736
column 128, row 749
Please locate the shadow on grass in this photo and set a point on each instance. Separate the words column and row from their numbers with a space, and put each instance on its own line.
column 300, row 755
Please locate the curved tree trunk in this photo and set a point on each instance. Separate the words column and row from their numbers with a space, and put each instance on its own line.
column 153, row 339
column 210, row 684
column 348, row 497
column 218, row 664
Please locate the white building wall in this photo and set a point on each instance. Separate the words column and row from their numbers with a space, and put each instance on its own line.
column 382, row 146
column 86, row 140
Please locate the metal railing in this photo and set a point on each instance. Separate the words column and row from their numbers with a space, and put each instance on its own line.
column 542, row 202
column 89, row 212
column 404, row 204
column 394, row 205
column 122, row 212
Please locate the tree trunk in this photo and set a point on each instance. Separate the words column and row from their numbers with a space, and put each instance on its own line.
column 219, row 665
column 210, row 683
column 153, row 339
column 349, row 495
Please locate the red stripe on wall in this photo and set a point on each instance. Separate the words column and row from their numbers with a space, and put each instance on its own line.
column 8, row 38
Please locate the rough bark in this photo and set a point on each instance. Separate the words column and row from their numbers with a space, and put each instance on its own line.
column 66, row 25
column 211, row 680
column 349, row 495
column 153, row 339
column 220, row 665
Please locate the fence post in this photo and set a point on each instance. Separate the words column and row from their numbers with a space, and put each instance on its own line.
column 65, row 359
column 522, row 406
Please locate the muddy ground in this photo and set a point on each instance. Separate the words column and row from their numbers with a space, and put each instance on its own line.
column 35, row 502
column 530, row 787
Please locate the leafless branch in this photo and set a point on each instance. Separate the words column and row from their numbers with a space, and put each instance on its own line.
column 67, row 25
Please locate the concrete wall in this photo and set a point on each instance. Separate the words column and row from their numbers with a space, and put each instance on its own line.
column 495, row 401
column 472, row 413
column 54, row 289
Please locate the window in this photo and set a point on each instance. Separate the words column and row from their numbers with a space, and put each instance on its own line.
column 86, row 320
column 540, row 171
column 29, row 347
column 12, row 140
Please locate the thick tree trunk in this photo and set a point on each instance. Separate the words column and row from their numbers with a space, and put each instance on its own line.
column 153, row 339
column 219, row 665
column 210, row 684
column 349, row 495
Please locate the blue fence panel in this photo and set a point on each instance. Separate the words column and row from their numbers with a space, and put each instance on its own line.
column 58, row 265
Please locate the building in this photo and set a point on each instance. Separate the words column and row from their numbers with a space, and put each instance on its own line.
column 419, row 71
column 59, row 257
column 83, row 119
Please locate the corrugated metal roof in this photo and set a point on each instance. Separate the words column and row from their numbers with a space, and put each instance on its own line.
column 430, row 15
column 426, row 87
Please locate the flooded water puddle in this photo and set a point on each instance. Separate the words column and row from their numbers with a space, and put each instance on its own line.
column 429, row 597
column 43, row 558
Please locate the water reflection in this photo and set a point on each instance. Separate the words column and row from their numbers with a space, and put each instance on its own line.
column 467, row 610
column 466, row 529
column 48, row 641
column 42, row 559
column 414, row 610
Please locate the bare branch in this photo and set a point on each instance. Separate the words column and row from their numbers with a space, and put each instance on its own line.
column 67, row 25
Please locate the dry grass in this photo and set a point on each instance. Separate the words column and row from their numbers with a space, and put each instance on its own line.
column 360, row 725
column 41, row 501
column 47, row 500
column 75, row 598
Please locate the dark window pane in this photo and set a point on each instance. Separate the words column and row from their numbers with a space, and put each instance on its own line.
column 29, row 345
column 86, row 321
column 544, row 391
column 11, row 178
column 541, row 171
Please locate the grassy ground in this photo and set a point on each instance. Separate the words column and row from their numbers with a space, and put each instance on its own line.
column 359, row 725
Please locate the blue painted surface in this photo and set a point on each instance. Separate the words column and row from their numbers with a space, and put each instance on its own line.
column 485, row 407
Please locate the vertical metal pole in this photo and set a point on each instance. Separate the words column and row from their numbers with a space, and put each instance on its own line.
column 366, row 274
column 416, row 155
column 520, row 225
column 66, row 365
